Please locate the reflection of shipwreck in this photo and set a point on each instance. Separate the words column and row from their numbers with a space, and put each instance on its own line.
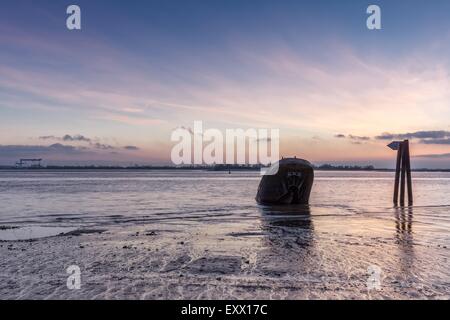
column 29, row 163
column 287, row 182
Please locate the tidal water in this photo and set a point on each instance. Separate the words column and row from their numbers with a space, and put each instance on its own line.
column 201, row 235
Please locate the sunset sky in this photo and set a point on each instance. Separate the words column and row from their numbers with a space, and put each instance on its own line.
column 114, row 91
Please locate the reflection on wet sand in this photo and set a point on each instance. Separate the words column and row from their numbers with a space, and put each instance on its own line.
column 404, row 239
column 289, row 238
column 292, row 220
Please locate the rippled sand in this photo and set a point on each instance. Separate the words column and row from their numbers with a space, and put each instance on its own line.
column 237, row 250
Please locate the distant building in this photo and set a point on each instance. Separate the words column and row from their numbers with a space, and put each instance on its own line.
column 29, row 163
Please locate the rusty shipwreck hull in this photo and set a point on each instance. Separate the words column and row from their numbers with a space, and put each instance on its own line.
column 291, row 184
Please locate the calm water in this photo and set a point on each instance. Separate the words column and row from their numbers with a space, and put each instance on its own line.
column 104, row 197
column 320, row 251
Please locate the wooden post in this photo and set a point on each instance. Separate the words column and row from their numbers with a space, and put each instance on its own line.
column 402, row 172
column 403, row 176
column 408, row 173
column 397, row 174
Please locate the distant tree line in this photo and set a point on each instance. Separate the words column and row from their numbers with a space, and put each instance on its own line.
column 217, row 167
column 344, row 167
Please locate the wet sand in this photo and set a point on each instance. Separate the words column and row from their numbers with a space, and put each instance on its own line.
column 279, row 259
column 161, row 236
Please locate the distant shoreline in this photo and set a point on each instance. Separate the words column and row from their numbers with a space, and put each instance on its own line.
column 206, row 168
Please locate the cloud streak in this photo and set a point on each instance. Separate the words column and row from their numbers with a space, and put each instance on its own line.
column 67, row 137
column 434, row 156
column 436, row 141
column 18, row 151
column 131, row 148
column 79, row 138
column 437, row 137
column 352, row 137
column 439, row 134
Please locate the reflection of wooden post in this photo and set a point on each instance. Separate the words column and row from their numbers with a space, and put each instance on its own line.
column 402, row 172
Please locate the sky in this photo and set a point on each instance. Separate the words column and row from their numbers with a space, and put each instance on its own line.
column 114, row 91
